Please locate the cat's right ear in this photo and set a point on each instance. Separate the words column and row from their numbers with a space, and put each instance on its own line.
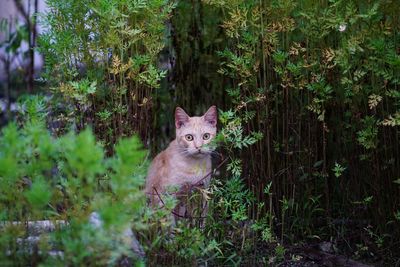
column 180, row 117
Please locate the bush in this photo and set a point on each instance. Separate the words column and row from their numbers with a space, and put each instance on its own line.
column 64, row 180
column 100, row 61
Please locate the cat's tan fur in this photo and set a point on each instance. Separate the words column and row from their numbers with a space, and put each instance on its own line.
column 184, row 162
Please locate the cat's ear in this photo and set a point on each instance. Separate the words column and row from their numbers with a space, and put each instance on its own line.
column 180, row 117
column 211, row 116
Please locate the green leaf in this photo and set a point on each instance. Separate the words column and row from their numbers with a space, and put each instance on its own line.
column 39, row 194
column 84, row 156
column 318, row 163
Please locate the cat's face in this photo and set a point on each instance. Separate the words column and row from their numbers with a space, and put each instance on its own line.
column 194, row 133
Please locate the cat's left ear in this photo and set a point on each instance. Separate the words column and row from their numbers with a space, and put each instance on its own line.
column 211, row 116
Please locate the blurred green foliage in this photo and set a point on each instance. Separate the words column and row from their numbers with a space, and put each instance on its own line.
column 67, row 178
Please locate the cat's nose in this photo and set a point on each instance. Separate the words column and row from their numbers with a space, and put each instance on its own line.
column 198, row 146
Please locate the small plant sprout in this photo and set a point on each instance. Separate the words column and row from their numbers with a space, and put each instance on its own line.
column 267, row 189
column 368, row 200
column 397, row 215
column 280, row 252
column 338, row 170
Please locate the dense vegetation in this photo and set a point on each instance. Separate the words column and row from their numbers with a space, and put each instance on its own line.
column 309, row 101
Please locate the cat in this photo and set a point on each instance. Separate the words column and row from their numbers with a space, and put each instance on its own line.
column 187, row 160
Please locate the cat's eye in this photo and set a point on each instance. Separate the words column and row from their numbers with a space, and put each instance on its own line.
column 206, row 136
column 189, row 137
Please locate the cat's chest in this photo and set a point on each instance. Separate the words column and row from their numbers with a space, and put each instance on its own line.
column 190, row 173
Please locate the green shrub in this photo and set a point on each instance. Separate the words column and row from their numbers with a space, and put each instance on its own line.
column 100, row 62
column 68, row 178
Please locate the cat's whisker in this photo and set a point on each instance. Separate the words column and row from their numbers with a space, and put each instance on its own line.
column 212, row 152
column 183, row 152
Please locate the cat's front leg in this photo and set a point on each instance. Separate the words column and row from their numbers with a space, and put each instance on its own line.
column 204, row 212
column 181, row 211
